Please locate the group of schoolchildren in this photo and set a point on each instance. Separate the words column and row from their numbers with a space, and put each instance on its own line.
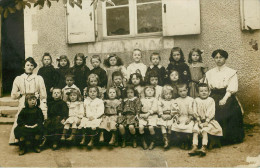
column 117, row 99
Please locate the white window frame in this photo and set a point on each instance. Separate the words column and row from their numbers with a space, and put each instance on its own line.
column 132, row 20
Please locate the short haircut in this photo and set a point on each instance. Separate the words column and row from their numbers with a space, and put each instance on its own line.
column 69, row 76
column 31, row 60
column 117, row 73
column 223, row 53
column 181, row 85
column 155, row 53
column 203, row 85
column 95, row 57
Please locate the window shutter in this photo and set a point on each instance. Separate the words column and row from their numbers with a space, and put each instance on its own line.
column 250, row 14
column 80, row 23
column 181, row 17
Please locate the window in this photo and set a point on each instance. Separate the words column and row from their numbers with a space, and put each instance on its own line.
column 132, row 17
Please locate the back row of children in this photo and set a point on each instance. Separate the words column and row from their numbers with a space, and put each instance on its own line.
column 154, row 96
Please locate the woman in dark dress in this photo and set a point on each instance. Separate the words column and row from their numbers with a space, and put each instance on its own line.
column 223, row 83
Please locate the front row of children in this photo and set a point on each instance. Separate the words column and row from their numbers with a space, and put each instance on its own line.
column 121, row 110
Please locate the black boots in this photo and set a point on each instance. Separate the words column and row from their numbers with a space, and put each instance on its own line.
column 73, row 134
column 22, row 148
column 166, row 141
column 193, row 151
column 144, row 144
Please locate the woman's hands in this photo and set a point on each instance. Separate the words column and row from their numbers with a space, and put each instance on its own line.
column 222, row 102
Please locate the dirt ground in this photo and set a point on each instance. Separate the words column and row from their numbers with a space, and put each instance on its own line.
column 227, row 156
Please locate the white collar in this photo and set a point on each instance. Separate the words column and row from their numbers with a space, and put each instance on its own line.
column 130, row 99
column 159, row 66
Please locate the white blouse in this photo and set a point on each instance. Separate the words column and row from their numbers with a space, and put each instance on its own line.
column 132, row 68
column 222, row 77
column 75, row 109
column 94, row 108
column 28, row 84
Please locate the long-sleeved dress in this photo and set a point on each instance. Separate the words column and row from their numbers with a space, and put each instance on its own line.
column 135, row 67
column 92, row 108
column 62, row 71
column 183, row 69
column 223, row 80
column 50, row 77
column 149, row 105
column 168, row 108
column 29, row 116
column 186, row 111
column 76, row 112
column 128, row 111
column 81, row 74
column 197, row 73
column 161, row 71
column 204, row 110
column 110, row 71
column 109, row 119
column 22, row 85
column 57, row 111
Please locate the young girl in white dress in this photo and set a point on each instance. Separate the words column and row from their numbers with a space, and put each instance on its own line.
column 75, row 114
column 148, row 115
column 184, row 125
column 93, row 111
column 168, row 113
column 204, row 113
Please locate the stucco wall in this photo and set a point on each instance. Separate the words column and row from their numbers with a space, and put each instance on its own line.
column 220, row 28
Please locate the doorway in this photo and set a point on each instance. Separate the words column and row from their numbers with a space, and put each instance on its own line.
column 12, row 48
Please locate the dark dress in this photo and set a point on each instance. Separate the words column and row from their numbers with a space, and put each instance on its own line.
column 29, row 116
column 101, row 73
column 62, row 71
column 129, row 109
column 183, row 69
column 160, row 71
column 51, row 79
column 81, row 74
column 57, row 111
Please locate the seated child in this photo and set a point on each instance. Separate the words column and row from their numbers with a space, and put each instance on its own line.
column 153, row 79
column 109, row 120
column 100, row 72
column 76, row 111
column 93, row 111
column 127, row 114
column 29, row 124
column 148, row 115
column 168, row 113
column 70, row 85
column 184, row 125
column 57, row 114
column 118, row 82
column 204, row 112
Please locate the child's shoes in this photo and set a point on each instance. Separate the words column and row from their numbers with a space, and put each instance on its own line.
column 101, row 138
column 193, row 150
column 90, row 144
column 144, row 143
column 54, row 146
column 43, row 142
column 134, row 142
column 152, row 144
column 202, row 151
column 37, row 149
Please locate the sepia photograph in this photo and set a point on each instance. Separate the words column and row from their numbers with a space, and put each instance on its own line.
column 130, row 83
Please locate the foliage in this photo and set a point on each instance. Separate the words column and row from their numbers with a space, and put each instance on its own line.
column 11, row 6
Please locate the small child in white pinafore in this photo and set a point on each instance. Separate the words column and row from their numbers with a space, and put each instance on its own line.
column 76, row 111
column 109, row 119
column 168, row 113
column 93, row 110
column 204, row 113
column 184, row 125
column 136, row 79
column 148, row 115
column 70, row 85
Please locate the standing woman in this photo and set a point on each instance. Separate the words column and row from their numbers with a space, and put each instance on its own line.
column 223, row 83
column 28, row 83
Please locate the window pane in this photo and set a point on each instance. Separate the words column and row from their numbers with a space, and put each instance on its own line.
column 118, row 21
column 143, row 1
column 118, row 2
column 149, row 18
